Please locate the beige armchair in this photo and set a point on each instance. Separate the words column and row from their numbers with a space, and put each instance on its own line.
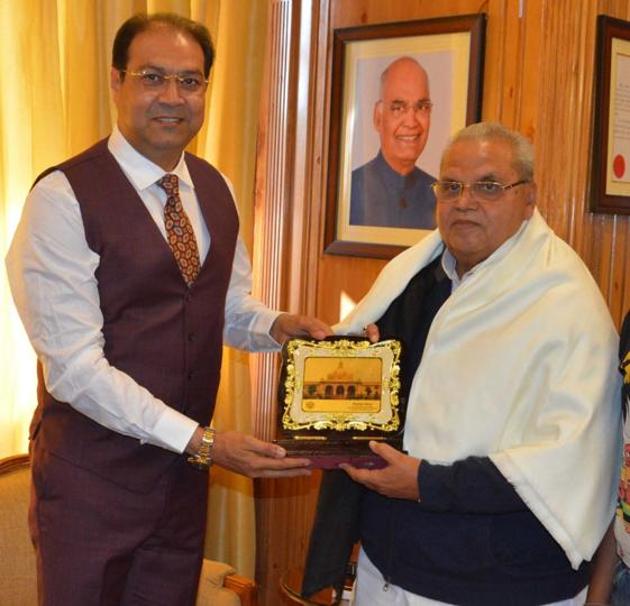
column 218, row 586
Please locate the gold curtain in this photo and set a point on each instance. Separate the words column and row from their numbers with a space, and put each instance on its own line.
column 54, row 102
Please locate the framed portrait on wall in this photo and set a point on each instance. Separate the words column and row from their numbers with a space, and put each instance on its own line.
column 610, row 150
column 399, row 91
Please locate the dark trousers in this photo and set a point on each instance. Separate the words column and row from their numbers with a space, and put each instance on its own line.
column 99, row 544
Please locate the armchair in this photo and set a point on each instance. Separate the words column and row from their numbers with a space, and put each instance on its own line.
column 218, row 585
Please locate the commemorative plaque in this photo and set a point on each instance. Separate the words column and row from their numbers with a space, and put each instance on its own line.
column 336, row 395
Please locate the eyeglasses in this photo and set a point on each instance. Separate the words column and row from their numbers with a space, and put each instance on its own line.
column 400, row 108
column 487, row 191
column 156, row 81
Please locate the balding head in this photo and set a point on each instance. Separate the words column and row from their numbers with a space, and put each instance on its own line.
column 405, row 68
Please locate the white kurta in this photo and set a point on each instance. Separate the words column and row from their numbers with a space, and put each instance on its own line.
column 519, row 365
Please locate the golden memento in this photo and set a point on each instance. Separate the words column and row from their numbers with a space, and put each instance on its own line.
column 336, row 395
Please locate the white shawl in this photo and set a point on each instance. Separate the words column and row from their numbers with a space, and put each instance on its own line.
column 519, row 365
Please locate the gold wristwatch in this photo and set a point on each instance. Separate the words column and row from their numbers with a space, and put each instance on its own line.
column 202, row 459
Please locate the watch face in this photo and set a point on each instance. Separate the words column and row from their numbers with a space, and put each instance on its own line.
column 202, row 459
column 208, row 436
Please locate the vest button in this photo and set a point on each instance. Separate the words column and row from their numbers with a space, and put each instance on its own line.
column 190, row 375
column 191, row 337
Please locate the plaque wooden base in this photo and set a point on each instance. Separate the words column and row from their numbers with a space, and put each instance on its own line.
column 330, row 453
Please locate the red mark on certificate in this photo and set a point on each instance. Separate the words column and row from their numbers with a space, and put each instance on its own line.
column 619, row 166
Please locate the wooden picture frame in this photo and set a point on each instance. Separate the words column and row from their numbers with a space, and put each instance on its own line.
column 610, row 149
column 451, row 51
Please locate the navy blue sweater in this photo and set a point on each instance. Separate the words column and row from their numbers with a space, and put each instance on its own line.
column 471, row 540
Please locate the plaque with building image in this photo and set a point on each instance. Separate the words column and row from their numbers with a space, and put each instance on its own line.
column 335, row 396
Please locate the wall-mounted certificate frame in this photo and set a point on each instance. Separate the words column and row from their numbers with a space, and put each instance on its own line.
column 610, row 150
column 336, row 395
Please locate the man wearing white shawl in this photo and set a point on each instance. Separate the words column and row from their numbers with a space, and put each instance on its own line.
column 512, row 428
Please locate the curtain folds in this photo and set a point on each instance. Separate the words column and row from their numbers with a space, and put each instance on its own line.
column 54, row 102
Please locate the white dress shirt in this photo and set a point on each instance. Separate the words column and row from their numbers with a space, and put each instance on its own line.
column 51, row 272
column 373, row 590
column 449, row 263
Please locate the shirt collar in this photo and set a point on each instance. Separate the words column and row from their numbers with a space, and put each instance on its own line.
column 140, row 170
column 449, row 263
column 392, row 179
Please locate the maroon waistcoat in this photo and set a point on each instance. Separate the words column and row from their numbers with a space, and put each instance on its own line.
column 165, row 336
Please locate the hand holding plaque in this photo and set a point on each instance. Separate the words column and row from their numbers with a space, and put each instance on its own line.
column 335, row 396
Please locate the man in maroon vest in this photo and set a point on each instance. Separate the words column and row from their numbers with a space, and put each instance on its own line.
column 127, row 271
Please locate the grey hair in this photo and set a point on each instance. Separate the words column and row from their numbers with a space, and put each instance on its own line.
column 521, row 146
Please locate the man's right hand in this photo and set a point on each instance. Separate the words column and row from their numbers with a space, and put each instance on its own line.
column 372, row 333
column 251, row 457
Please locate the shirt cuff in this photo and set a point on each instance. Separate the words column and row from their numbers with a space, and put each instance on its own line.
column 261, row 328
column 173, row 430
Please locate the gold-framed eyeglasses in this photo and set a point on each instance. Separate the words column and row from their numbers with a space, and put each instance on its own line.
column 400, row 108
column 488, row 191
column 157, row 81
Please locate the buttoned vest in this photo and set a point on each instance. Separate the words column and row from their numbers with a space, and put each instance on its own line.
column 165, row 336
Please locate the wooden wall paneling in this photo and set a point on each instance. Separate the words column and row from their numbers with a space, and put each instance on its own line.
column 528, row 65
column 318, row 110
column 347, row 13
column 351, row 276
column 276, row 500
column 580, row 103
column 564, row 92
column 495, row 60
column 303, row 249
column 271, row 194
column 282, row 253
column 559, row 118
column 538, row 78
column 503, row 75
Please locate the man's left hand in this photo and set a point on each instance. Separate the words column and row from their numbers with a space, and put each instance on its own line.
column 254, row 458
column 286, row 326
column 398, row 480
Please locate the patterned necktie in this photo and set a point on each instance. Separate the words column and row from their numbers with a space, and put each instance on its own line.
column 179, row 232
